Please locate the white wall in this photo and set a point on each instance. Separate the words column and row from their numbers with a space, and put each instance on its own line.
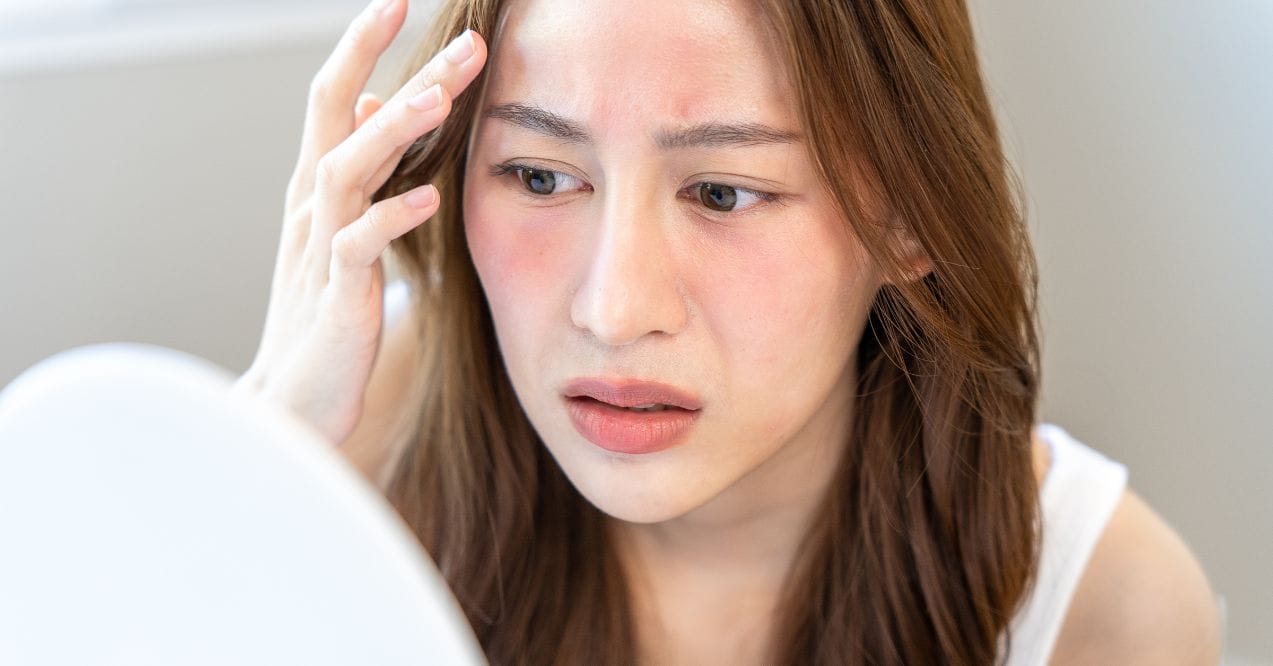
column 1144, row 130
column 143, row 161
column 141, row 184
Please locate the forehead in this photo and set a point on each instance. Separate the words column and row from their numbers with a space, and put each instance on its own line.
column 617, row 65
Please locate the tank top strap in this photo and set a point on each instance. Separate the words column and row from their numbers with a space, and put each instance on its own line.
column 1079, row 494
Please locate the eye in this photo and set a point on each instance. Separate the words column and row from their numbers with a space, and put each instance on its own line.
column 536, row 181
column 539, row 182
column 725, row 198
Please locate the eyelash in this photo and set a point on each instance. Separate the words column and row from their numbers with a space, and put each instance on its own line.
column 511, row 168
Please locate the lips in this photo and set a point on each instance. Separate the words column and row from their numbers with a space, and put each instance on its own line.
column 600, row 410
column 631, row 393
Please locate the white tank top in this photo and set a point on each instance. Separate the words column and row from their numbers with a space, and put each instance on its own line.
column 1078, row 496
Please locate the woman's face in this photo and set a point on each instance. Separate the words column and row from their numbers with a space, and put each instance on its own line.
column 630, row 249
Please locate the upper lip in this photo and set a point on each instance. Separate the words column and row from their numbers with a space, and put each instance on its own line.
column 624, row 392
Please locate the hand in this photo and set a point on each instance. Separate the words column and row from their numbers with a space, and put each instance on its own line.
column 322, row 329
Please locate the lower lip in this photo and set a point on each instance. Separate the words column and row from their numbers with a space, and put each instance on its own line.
column 624, row 431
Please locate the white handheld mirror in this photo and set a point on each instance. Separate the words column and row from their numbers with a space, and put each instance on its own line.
column 150, row 516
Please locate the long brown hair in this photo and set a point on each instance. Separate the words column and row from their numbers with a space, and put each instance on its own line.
column 927, row 542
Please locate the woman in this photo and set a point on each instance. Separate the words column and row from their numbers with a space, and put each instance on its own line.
column 720, row 347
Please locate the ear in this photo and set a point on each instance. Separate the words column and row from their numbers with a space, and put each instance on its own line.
column 915, row 261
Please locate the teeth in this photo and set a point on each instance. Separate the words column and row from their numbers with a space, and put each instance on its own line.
column 647, row 408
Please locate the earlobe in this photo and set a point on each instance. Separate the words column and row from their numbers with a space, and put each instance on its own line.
column 919, row 267
column 913, row 272
column 914, row 261
column 920, row 271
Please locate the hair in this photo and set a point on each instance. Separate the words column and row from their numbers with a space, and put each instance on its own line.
column 927, row 541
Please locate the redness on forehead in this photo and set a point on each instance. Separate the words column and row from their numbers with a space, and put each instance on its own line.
column 610, row 64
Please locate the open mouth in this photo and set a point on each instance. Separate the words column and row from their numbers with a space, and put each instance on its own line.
column 633, row 430
column 655, row 407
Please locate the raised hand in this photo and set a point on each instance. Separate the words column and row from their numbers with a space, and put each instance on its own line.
column 322, row 329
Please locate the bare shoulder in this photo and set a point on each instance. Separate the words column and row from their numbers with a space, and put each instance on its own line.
column 1143, row 599
column 1042, row 457
column 390, row 402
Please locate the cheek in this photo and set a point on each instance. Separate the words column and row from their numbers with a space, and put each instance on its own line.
column 519, row 262
column 778, row 299
column 786, row 314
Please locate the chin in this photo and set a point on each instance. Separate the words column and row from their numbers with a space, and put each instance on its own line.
column 646, row 489
column 635, row 499
column 635, row 512
column 624, row 509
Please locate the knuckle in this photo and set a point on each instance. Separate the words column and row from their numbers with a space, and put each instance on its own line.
column 433, row 72
column 319, row 88
column 327, row 172
column 345, row 248
column 376, row 218
column 299, row 216
column 360, row 33
column 380, row 122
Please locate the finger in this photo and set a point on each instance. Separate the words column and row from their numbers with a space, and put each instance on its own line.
column 367, row 105
column 409, row 114
column 455, row 68
column 330, row 115
column 386, row 169
column 339, row 188
column 357, row 246
column 382, row 175
column 344, row 174
column 454, row 87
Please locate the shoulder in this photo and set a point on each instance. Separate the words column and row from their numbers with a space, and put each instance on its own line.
column 1042, row 457
column 1143, row 598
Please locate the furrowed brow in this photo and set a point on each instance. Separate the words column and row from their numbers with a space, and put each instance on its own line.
column 542, row 121
column 722, row 135
column 703, row 135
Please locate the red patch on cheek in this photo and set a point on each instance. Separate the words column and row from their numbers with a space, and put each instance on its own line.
column 514, row 253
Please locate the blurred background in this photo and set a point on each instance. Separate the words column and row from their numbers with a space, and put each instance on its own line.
column 145, row 146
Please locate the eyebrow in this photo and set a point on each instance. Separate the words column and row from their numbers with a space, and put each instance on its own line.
column 703, row 135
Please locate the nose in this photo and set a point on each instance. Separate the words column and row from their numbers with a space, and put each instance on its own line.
column 631, row 287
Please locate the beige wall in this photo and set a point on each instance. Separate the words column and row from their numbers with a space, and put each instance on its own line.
column 1143, row 132
column 140, row 199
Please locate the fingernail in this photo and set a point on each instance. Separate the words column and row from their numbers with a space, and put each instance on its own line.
column 427, row 99
column 381, row 6
column 420, row 198
column 460, row 48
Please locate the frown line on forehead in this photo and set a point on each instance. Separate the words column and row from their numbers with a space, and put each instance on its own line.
column 702, row 135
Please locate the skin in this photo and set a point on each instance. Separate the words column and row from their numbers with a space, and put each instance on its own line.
column 626, row 275
column 621, row 272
